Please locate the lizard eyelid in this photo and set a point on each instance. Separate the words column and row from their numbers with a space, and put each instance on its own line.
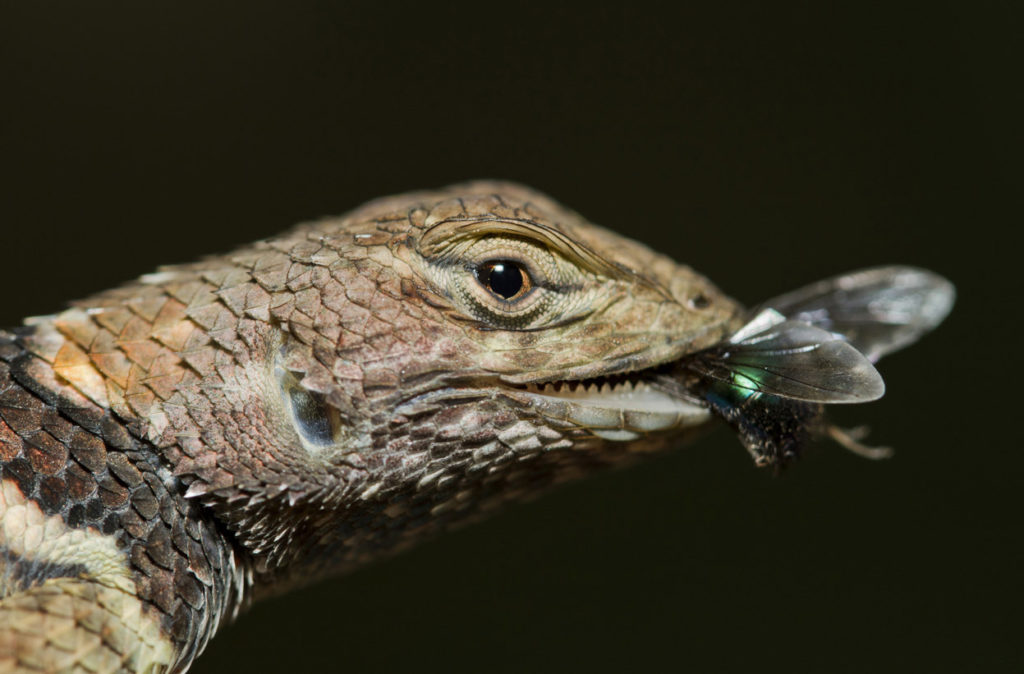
column 451, row 233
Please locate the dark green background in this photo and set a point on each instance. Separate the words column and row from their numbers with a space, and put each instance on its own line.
column 767, row 146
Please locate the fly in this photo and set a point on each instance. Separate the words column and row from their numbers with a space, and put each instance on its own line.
column 771, row 379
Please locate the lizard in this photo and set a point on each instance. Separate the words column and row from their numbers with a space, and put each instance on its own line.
column 213, row 433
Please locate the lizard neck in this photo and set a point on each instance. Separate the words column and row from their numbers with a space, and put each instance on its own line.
column 110, row 510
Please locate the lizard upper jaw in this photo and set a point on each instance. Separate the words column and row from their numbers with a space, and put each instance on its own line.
column 622, row 410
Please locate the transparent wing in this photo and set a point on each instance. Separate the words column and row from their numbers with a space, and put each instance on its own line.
column 790, row 359
column 878, row 310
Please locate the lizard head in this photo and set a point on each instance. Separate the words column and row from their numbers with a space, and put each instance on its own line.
column 339, row 390
column 462, row 347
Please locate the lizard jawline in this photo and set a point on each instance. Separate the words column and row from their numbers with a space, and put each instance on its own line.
column 620, row 412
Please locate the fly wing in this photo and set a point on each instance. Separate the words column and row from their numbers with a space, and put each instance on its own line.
column 790, row 359
column 877, row 310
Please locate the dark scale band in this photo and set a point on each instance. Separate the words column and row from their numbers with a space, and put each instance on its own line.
column 81, row 463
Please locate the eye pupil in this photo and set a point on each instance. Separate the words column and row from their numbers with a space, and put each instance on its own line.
column 504, row 278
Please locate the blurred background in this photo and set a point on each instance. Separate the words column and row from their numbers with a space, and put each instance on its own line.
column 767, row 145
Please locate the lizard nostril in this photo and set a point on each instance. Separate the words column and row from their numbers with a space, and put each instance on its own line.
column 699, row 301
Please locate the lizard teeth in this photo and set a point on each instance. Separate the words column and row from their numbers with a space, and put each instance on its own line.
column 620, row 412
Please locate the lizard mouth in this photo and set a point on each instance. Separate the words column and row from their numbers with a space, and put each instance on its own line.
column 620, row 407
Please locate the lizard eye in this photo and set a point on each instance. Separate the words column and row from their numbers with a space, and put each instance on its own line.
column 506, row 279
column 509, row 282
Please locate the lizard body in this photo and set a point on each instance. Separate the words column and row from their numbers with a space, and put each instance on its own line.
column 178, row 447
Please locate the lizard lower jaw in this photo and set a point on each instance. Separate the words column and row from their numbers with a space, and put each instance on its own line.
column 619, row 412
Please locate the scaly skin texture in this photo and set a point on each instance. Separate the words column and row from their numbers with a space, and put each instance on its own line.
column 174, row 448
